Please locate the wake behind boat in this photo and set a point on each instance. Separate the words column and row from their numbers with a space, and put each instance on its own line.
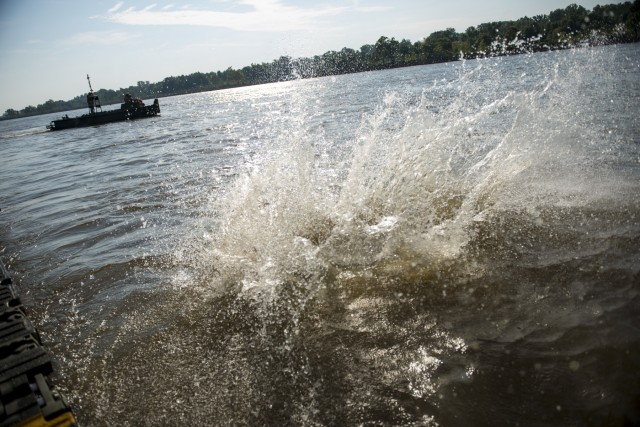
column 129, row 110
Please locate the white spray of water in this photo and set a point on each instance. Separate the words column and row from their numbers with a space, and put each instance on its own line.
column 419, row 173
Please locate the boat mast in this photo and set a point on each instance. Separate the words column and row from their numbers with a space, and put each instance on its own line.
column 95, row 98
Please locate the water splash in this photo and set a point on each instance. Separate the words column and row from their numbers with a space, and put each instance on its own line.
column 420, row 171
column 459, row 242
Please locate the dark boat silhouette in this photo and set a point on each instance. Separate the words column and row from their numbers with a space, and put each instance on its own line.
column 131, row 109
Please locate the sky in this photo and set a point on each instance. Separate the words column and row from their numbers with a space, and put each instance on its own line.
column 47, row 47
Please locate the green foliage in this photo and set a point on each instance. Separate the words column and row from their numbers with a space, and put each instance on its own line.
column 561, row 29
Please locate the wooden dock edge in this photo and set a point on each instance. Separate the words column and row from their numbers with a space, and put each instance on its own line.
column 27, row 398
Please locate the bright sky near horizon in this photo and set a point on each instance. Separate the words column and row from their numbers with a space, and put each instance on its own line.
column 47, row 47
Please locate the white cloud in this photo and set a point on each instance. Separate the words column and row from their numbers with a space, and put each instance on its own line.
column 263, row 15
column 367, row 9
column 100, row 38
column 360, row 8
column 115, row 8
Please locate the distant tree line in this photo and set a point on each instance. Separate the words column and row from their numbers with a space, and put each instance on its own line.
column 571, row 27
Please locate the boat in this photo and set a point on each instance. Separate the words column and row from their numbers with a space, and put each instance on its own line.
column 131, row 109
column 126, row 112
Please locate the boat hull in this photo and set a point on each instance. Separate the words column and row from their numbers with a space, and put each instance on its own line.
column 103, row 117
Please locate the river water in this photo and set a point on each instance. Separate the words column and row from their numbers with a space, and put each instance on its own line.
column 445, row 245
